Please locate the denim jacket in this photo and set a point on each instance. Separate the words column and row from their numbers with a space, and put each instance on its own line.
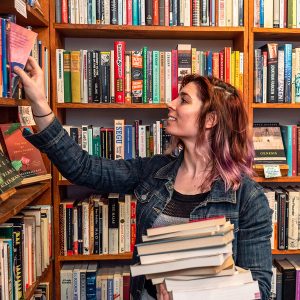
column 152, row 182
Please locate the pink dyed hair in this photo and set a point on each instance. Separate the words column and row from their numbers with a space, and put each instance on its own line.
column 232, row 150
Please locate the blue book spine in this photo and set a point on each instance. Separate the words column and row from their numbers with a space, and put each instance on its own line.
column 175, row 10
column 90, row 11
column 128, row 142
column 4, row 59
column 135, row 12
column 288, row 48
column 110, row 289
column 261, row 14
column 11, row 267
column 287, row 136
column 91, row 285
column 213, row 13
column 209, row 63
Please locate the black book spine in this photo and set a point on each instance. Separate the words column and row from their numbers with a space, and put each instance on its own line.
column 96, row 228
column 105, row 77
column 69, row 227
column 149, row 12
column 161, row 6
column 79, row 224
column 90, row 75
column 100, row 229
column 103, row 134
column 98, row 11
column 95, row 76
column 113, row 12
column 110, row 144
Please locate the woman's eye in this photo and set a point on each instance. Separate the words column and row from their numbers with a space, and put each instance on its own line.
column 183, row 100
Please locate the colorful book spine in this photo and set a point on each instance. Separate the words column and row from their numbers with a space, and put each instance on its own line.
column 119, row 54
column 155, row 77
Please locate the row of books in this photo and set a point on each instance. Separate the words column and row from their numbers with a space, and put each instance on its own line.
column 142, row 76
column 285, row 203
column 90, row 281
column 285, row 279
column 26, row 250
column 276, row 13
column 98, row 225
column 277, row 74
column 151, row 12
column 17, row 43
column 42, row 292
column 123, row 141
column 194, row 261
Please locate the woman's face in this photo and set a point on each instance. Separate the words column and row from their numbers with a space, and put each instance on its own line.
column 184, row 113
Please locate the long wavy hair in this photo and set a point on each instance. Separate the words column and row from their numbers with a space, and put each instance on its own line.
column 231, row 145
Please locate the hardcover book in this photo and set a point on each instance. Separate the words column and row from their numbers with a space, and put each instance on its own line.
column 24, row 156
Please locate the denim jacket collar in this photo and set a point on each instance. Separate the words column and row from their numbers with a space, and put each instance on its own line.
column 217, row 193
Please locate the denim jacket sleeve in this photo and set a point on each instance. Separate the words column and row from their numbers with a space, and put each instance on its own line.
column 254, row 246
column 75, row 164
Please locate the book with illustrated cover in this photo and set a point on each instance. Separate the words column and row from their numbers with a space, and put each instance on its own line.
column 9, row 177
column 20, row 43
column 24, row 156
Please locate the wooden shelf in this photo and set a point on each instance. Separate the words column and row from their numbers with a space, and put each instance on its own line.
column 20, row 199
column 287, row 179
column 13, row 102
column 30, row 291
column 34, row 17
column 125, row 256
column 285, row 252
column 148, row 32
column 64, row 182
column 110, row 105
column 276, row 105
column 276, row 34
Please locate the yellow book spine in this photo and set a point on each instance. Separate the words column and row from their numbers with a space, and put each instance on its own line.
column 232, row 67
column 237, row 70
column 194, row 61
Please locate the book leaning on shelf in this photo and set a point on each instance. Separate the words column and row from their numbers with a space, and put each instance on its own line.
column 269, row 148
column 194, row 260
column 24, row 157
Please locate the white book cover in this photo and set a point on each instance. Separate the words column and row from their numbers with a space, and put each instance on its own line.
column 268, row 17
column 60, row 75
column 105, row 228
column 85, row 228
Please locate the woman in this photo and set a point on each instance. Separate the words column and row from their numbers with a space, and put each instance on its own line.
column 211, row 176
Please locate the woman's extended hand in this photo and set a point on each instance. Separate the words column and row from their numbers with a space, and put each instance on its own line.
column 33, row 82
column 34, row 86
column 162, row 293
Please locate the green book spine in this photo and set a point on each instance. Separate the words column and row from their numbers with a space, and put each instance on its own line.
column 156, row 87
column 96, row 142
column 67, row 77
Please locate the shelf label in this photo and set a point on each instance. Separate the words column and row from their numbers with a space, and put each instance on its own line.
column 20, row 6
column 272, row 171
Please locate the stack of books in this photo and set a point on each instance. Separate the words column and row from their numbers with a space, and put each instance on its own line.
column 194, row 260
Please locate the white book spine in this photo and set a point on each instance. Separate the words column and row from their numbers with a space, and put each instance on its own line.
column 113, row 237
column 120, row 12
column 298, row 14
column 158, row 137
column 119, row 138
column 293, row 220
column 154, row 139
column 85, row 228
column 127, row 222
column 72, row 11
column 297, row 75
column 168, row 76
column 268, row 15
column 182, row 12
column 117, row 288
column 265, row 78
column 81, row 11
column 66, row 284
column 229, row 12
column 76, row 284
column 81, row 75
column 85, row 9
column 281, row 13
column 84, row 138
column 280, row 75
column 112, row 76
column 142, row 12
column 142, row 141
column 75, row 230
column 235, row 13
column 187, row 13
column 276, row 13
column 104, row 288
column 222, row 9
column 107, row 12
column 60, row 75
column 77, row 12
column 124, row 12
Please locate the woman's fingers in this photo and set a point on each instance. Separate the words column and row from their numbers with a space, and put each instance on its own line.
column 24, row 77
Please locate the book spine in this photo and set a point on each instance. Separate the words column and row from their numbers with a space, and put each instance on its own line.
column 112, row 76
column 132, row 225
column 272, row 91
column 136, row 76
column 113, row 224
column 149, row 81
column 184, row 62
column 168, row 77
column 121, row 227
column 155, row 77
column 128, row 77
column 145, row 74
column 85, row 229
column 119, row 54
column 174, row 70
column 162, row 76
column 105, row 77
column 95, row 77
column 59, row 75
column 67, row 76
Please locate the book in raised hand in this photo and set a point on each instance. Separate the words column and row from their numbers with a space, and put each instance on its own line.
column 202, row 223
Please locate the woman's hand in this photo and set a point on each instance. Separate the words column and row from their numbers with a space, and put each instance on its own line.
column 33, row 82
column 162, row 293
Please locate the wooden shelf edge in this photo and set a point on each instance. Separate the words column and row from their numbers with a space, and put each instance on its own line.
column 125, row 256
column 13, row 102
column 30, row 291
column 110, row 106
column 24, row 196
column 281, row 252
column 37, row 15
column 64, row 182
column 279, row 179
column 276, row 105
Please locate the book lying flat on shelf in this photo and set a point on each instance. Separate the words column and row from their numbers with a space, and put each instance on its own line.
column 24, row 156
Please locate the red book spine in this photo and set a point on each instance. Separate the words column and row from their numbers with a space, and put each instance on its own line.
column 132, row 225
column 129, row 12
column 216, row 65
column 221, row 65
column 119, row 53
column 155, row 12
column 126, row 287
column 227, row 64
column 174, row 74
column 64, row 11
column 294, row 150
column 167, row 12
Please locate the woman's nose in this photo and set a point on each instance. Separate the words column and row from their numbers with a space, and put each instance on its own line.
column 172, row 104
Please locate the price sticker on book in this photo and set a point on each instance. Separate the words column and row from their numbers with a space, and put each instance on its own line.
column 272, row 171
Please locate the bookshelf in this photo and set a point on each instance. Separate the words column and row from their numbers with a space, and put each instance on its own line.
column 61, row 35
column 38, row 193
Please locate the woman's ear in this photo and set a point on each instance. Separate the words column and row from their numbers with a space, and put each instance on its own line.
column 211, row 120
